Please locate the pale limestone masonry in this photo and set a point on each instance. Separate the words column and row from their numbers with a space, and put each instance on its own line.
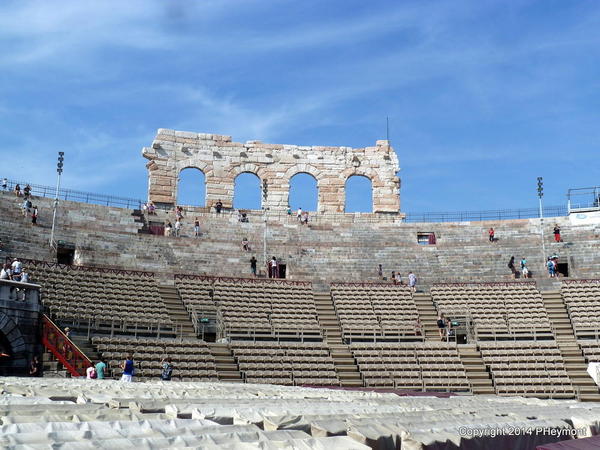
column 222, row 160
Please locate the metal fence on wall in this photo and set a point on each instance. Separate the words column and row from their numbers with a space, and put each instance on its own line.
column 460, row 216
column 38, row 190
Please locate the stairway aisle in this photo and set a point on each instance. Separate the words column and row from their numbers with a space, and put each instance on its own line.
column 427, row 314
column 227, row 368
column 327, row 317
column 477, row 373
column 572, row 355
column 176, row 309
column 346, row 367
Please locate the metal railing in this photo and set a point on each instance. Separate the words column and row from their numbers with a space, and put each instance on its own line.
column 479, row 216
column 38, row 190
column 315, row 218
column 65, row 350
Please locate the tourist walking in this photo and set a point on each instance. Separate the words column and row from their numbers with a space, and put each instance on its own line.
column 412, row 281
column 34, row 215
column 557, row 237
column 551, row 268
column 299, row 215
column 253, row 265
column 380, row 271
column 177, row 227
column 491, row 234
column 511, row 266
column 441, row 324
column 196, row 228
column 273, row 268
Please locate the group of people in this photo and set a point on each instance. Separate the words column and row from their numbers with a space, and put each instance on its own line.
column 28, row 209
column 523, row 270
column 396, row 278
column 98, row 370
column 444, row 325
column 14, row 271
column 552, row 265
column 302, row 216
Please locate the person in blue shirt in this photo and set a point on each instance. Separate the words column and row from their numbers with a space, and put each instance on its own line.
column 128, row 369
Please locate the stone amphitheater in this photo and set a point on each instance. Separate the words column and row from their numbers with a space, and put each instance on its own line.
column 329, row 357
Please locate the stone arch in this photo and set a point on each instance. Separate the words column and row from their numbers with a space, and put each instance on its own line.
column 259, row 171
column 247, row 191
column 201, row 200
column 365, row 189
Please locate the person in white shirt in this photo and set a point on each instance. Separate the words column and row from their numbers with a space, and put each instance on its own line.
column 299, row 214
column 24, row 277
column 5, row 273
column 17, row 267
column 177, row 227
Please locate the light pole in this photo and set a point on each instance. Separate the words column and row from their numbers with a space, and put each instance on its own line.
column 59, row 169
column 265, row 191
column 540, row 190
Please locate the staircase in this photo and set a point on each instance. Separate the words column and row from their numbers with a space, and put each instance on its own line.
column 570, row 351
column 479, row 377
column 227, row 368
column 427, row 315
column 327, row 317
column 345, row 366
column 557, row 312
column 576, row 367
column 176, row 309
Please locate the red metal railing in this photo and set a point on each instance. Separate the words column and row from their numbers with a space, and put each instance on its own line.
column 64, row 349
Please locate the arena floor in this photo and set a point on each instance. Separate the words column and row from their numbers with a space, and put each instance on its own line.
column 86, row 414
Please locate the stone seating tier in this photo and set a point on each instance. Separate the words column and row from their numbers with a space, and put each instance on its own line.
column 340, row 250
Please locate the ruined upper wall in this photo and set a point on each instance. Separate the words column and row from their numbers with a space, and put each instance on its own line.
column 222, row 161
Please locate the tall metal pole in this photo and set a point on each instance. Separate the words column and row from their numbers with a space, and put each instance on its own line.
column 540, row 190
column 59, row 169
column 265, row 189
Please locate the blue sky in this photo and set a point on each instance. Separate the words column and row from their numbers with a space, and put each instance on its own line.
column 482, row 96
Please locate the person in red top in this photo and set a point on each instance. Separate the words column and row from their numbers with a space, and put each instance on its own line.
column 491, row 233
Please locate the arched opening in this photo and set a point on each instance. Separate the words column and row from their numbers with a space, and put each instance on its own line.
column 359, row 194
column 304, row 192
column 247, row 191
column 191, row 190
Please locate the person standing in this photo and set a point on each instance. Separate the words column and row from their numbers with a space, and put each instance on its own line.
column 412, row 281
column 100, row 368
column 380, row 271
column 398, row 278
column 511, row 266
column 441, row 324
column 253, row 265
column 299, row 215
column 90, row 373
column 35, row 369
column 218, row 206
column 128, row 368
column 168, row 228
column 177, row 227
column 491, row 234
column 557, row 233
column 550, row 265
column 393, row 277
column 167, row 370
column 34, row 216
column 4, row 183
column 245, row 244
column 273, row 266
column 196, row 228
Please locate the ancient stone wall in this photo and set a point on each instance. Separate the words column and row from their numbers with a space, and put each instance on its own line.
column 222, row 160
